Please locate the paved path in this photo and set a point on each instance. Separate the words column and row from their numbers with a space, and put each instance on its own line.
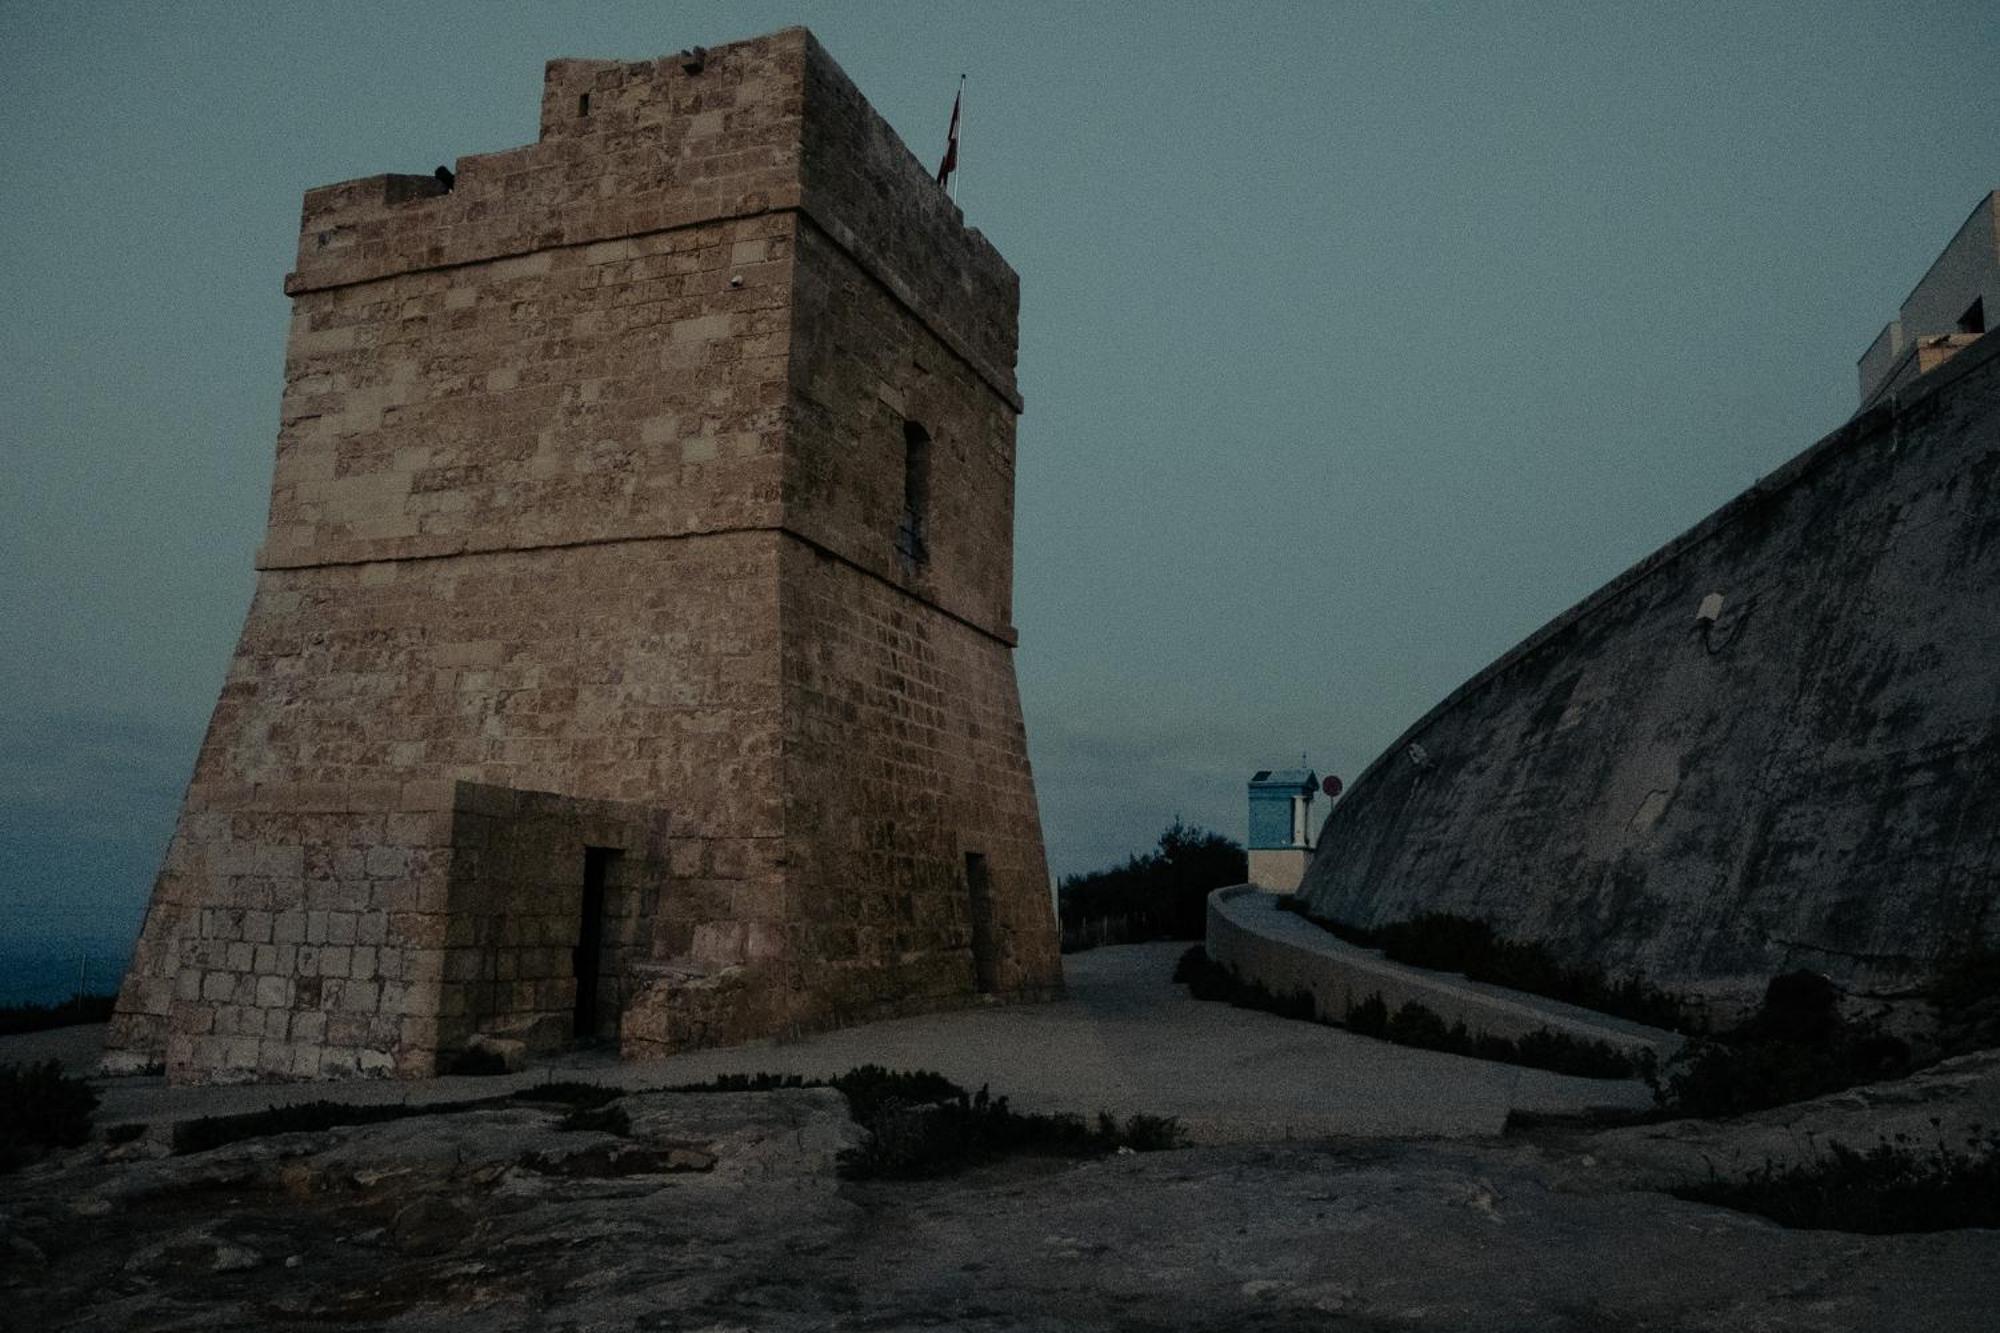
column 1126, row 1040
column 1251, row 935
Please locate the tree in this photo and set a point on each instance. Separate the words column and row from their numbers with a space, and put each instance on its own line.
column 1162, row 894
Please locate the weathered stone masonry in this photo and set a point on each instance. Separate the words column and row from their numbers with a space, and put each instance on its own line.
column 584, row 534
column 1774, row 743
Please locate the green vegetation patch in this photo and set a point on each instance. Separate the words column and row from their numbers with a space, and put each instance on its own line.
column 1794, row 1047
column 41, row 1108
column 1443, row 942
column 567, row 1092
column 1891, row 1188
column 18, row 1018
column 215, row 1131
column 1965, row 992
column 921, row 1125
column 1416, row 1025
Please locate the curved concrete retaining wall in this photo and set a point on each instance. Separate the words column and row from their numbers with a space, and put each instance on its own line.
column 1249, row 935
column 1770, row 745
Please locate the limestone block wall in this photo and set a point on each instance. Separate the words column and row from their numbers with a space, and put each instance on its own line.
column 911, row 812
column 328, row 942
column 864, row 189
column 919, row 716
column 301, row 953
column 623, row 671
column 863, row 367
column 1806, row 781
column 554, row 446
column 515, row 906
column 625, row 389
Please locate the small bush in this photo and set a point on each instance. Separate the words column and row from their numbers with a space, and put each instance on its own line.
column 567, row 1092
column 1369, row 1017
column 1966, row 994
column 215, row 1131
column 1205, row 978
column 1794, row 1047
column 870, row 1088
column 478, row 1061
column 1887, row 1190
column 41, row 1107
column 922, row 1125
column 1152, row 1133
column 1415, row 1025
column 916, row 1141
column 751, row 1083
column 1966, row 978
column 1443, row 942
column 602, row 1119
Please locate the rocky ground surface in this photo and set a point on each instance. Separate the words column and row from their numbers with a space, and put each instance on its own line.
column 724, row 1211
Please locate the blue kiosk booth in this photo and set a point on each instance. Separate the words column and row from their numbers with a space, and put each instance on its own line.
column 1281, row 826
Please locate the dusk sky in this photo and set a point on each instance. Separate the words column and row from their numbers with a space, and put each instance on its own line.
column 1357, row 340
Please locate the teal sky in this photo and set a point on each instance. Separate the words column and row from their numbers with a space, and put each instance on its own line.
column 1357, row 339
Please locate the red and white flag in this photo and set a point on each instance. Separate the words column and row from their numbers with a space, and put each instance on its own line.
column 950, row 163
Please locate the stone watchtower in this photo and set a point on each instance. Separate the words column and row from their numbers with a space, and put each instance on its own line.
column 631, row 650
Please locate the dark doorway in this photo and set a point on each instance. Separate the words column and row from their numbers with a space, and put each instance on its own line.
column 985, row 947
column 587, row 959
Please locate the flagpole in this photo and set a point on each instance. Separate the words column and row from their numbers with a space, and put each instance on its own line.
column 959, row 170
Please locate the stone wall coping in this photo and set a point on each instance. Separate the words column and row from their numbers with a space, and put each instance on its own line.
column 1246, row 930
column 1861, row 429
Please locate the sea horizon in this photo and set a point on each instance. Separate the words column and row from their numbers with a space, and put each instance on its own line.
column 47, row 971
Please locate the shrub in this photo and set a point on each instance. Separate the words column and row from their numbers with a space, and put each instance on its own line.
column 41, row 1107
column 475, row 1060
column 567, row 1092
column 1369, row 1017
column 603, row 1119
column 870, row 1088
column 1205, row 978
column 1794, row 1047
column 1415, row 1025
column 751, row 1083
column 1889, row 1189
column 1152, row 1133
column 18, row 1018
column 1966, row 994
column 214, row 1131
column 922, row 1125
column 1447, row 943
column 1966, row 978
column 915, row 1141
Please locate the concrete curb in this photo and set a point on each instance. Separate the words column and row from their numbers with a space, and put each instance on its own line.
column 1286, row 953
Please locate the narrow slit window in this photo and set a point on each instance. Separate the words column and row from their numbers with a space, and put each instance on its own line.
column 583, row 104
column 913, row 529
